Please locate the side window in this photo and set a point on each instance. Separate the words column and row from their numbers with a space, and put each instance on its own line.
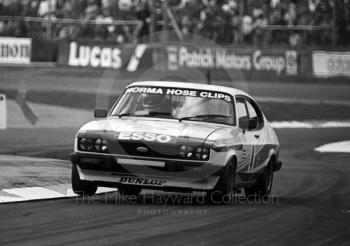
column 251, row 110
column 255, row 113
column 241, row 108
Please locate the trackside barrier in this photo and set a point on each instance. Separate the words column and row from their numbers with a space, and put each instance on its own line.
column 172, row 59
column 105, row 55
column 15, row 50
column 3, row 111
column 331, row 64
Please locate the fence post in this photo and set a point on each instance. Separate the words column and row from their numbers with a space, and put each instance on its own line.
column 334, row 24
column 165, row 37
column 240, row 31
column 49, row 24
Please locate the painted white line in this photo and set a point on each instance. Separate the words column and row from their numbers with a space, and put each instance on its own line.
column 6, row 199
column 41, row 193
column 310, row 124
column 34, row 193
column 338, row 147
column 12, row 158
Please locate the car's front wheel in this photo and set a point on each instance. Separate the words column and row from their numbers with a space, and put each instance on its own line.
column 225, row 186
column 263, row 185
column 82, row 187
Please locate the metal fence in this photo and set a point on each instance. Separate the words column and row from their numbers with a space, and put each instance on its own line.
column 123, row 31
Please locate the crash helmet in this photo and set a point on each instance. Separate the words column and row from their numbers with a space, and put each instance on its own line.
column 153, row 101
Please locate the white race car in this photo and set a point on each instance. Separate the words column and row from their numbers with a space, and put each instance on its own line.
column 177, row 136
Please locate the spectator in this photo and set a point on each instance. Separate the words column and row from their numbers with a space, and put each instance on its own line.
column 143, row 13
column 247, row 29
column 259, row 25
column 46, row 7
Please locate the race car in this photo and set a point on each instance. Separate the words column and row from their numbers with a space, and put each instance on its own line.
column 177, row 136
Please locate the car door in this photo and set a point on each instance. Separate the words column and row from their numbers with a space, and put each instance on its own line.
column 246, row 155
column 256, row 135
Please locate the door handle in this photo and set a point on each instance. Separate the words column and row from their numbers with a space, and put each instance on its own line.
column 256, row 136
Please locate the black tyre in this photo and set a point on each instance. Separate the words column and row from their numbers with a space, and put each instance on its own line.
column 128, row 190
column 82, row 187
column 263, row 185
column 225, row 186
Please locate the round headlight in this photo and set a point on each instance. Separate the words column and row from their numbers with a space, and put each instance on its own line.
column 98, row 144
column 82, row 142
column 199, row 150
column 104, row 144
column 183, row 149
column 89, row 144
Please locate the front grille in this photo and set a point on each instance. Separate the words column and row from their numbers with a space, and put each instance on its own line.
column 109, row 163
column 153, row 150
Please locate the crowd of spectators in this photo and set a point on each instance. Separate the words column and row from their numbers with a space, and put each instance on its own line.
column 233, row 21
column 100, row 11
column 223, row 21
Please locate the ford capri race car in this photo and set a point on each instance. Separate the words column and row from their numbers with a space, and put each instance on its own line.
column 177, row 136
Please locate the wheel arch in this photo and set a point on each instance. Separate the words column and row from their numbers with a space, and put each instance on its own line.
column 271, row 157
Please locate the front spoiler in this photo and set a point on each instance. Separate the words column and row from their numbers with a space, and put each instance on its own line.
column 105, row 170
column 156, row 182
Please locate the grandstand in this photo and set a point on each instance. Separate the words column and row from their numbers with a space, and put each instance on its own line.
column 294, row 23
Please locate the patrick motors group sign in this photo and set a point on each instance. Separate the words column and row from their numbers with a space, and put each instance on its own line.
column 243, row 60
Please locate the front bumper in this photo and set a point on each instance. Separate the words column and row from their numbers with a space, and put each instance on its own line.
column 150, row 172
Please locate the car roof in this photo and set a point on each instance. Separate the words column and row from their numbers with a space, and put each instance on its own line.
column 188, row 85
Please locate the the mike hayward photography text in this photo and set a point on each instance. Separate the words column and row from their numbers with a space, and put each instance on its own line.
column 167, row 211
column 164, row 199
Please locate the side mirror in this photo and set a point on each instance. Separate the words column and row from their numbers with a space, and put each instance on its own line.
column 253, row 123
column 243, row 122
column 100, row 113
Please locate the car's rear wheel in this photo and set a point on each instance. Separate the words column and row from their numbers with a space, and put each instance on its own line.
column 128, row 190
column 82, row 187
column 263, row 185
column 225, row 186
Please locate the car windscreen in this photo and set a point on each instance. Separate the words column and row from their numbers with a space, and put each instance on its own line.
column 176, row 103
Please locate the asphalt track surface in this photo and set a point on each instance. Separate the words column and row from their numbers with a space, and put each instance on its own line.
column 310, row 202
column 107, row 81
column 310, row 205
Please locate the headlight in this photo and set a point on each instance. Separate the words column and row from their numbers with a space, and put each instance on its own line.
column 199, row 153
column 101, row 145
column 82, row 142
column 89, row 144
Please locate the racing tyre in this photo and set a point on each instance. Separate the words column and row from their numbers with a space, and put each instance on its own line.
column 82, row 187
column 225, row 186
column 263, row 185
column 128, row 190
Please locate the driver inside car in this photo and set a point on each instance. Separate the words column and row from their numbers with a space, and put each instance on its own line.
column 158, row 104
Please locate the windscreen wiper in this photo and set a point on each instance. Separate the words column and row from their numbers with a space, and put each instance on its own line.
column 203, row 116
column 123, row 114
column 143, row 115
column 158, row 113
